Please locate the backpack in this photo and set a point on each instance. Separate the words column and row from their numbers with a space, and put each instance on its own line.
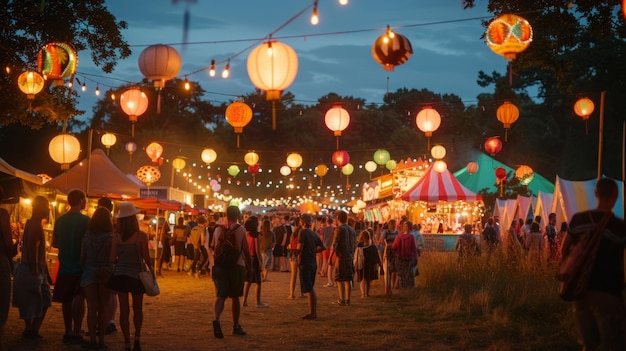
column 226, row 251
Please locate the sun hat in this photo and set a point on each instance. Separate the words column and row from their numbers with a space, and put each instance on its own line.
column 127, row 209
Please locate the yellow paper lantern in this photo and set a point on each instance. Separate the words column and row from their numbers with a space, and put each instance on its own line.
column 321, row 170
column 507, row 114
column 294, row 160
column 508, row 35
column 208, row 156
column 438, row 152
column 178, row 163
column 108, row 140
column 272, row 67
column 584, row 108
column 251, row 158
column 285, row 170
column 428, row 120
column 64, row 149
column 440, row 166
column 370, row 166
column 134, row 103
column 30, row 83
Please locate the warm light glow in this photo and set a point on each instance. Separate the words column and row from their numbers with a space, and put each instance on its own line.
column 208, row 156
column 524, row 174
column 212, row 69
column 507, row 114
column 84, row 87
column 64, row 149
column 273, row 72
column 226, row 71
column 440, row 166
column 251, row 158
column 584, row 108
column 134, row 103
column 321, row 170
column 30, row 83
column 391, row 49
column 97, row 92
column 187, row 84
column 148, row 174
column 428, row 120
column 343, row 2
column 493, row 145
column 315, row 17
column 154, row 151
column 370, row 166
column 294, row 160
column 508, row 35
column 285, row 170
column 238, row 114
column 108, row 140
column 337, row 119
column 438, row 152
column 472, row 167
column 340, row 158
column 178, row 163
column 381, row 157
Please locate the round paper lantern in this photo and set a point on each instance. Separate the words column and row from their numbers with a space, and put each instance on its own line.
column 524, row 174
column 500, row 173
column 391, row 165
column 208, row 156
column 381, row 157
column 370, row 166
column 64, row 149
column 508, row 35
column 355, row 209
column 253, row 169
column 154, row 151
column 440, row 166
column 321, row 170
column 391, row 49
column 130, row 147
column 251, row 158
column 507, row 113
column 134, row 103
column 238, row 115
column 57, row 61
column 340, row 158
column 108, row 140
column 438, row 152
column 178, row 163
column 348, row 169
column 493, row 145
column 584, row 108
column 30, row 83
column 337, row 119
column 216, row 187
column 472, row 167
column 233, row 170
column 428, row 120
column 148, row 174
column 285, row 170
column 159, row 63
column 294, row 160
column 272, row 67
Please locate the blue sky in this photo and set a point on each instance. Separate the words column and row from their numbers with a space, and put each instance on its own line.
column 334, row 56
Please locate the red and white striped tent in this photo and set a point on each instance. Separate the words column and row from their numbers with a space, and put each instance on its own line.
column 435, row 186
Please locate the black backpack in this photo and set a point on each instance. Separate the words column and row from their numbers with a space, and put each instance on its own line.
column 226, row 251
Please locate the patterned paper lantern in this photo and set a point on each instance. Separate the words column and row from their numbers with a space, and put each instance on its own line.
column 148, row 174
column 493, row 145
column 154, row 152
column 472, row 167
column 208, row 156
column 340, row 158
column 30, row 83
column 272, row 67
column 64, row 149
column 391, row 49
column 57, row 61
column 508, row 35
column 159, row 63
column 524, row 174
column 507, row 114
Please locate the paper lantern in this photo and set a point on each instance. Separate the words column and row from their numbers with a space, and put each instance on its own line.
column 108, row 140
column 178, row 163
column 321, row 170
column 294, row 160
column 253, row 169
column 391, row 49
column 524, row 174
column 64, row 149
column 391, row 165
column 30, row 83
column 208, row 156
column 134, row 103
column 500, row 173
column 370, row 166
column 233, row 170
column 154, row 152
column 493, row 145
column 472, row 167
column 347, row 169
column 507, row 114
column 238, row 115
column 440, row 166
column 381, row 157
column 428, row 120
column 584, row 108
column 251, row 158
column 130, row 147
column 272, row 67
column 57, row 61
column 159, row 63
column 438, row 152
column 508, row 35
column 148, row 174
column 340, row 158
column 337, row 119
column 285, row 170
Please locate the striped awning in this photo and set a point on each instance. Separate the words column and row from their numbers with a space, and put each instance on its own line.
column 435, row 186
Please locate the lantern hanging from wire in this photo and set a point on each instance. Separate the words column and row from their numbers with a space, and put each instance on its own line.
column 285, row 170
column 493, row 145
column 148, row 175
column 381, row 157
column 64, row 149
column 154, row 152
column 272, row 67
column 507, row 114
column 428, row 120
column 347, row 170
column 251, row 158
column 208, row 156
column 159, row 63
column 472, row 167
column 294, row 160
column 501, row 179
column 438, row 152
column 254, row 169
column 391, row 49
column 391, row 165
column 584, row 108
column 321, row 170
column 508, row 35
column 370, row 167
column 238, row 115
column 30, row 83
column 130, row 148
column 57, row 61
column 440, row 166
column 340, row 158
column 233, row 170
column 524, row 174
column 108, row 140
column 178, row 164
column 337, row 120
column 134, row 103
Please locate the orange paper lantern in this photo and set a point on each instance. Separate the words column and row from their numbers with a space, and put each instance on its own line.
column 508, row 35
column 493, row 145
column 507, row 113
column 391, row 49
column 57, row 61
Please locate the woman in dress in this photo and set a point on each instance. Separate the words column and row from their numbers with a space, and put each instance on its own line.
column 406, row 256
column 95, row 256
column 31, row 281
column 129, row 252
column 253, row 275
column 371, row 262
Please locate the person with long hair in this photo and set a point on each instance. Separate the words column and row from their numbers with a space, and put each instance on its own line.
column 96, row 259
column 294, row 258
column 371, row 264
column 267, row 242
column 129, row 253
column 31, row 280
column 253, row 275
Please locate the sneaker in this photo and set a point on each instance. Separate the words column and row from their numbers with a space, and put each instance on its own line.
column 329, row 285
column 217, row 330
column 238, row 330
column 110, row 329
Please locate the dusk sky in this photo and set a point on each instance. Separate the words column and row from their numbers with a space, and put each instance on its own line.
column 334, row 56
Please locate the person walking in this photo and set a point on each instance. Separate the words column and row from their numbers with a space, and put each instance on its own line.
column 344, row 244
column 253, row 275
column 69, row 230
column 267, row 242
column 466, row 244
column 197, row 238
column 406, row 256
column 129, row 253
column 599, row 312
column 180, row 239
column 229, row 279
column 309, row 244
column 294, row 258
column 112, row 310
column 371, row 263
column 31, row 280
column 95, row 257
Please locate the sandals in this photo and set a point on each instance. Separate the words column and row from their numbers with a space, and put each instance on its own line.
column 217, row 329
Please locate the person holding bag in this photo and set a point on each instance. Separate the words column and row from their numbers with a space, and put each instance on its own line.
column 129, row 253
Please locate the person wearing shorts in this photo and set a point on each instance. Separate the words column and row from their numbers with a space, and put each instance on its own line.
column 309, row 244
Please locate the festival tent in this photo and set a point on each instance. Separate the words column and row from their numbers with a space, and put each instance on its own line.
column 153, row 205
column 17, row 183
column 485, row 177
column 105, row 179
column 575, row 196
column 435, row 186
column 543, row 206
column 525, row 206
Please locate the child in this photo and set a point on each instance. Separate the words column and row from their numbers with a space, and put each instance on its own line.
column 371, row 263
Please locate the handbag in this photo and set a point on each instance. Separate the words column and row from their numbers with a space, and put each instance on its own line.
column 147, row 278
column 575, row 268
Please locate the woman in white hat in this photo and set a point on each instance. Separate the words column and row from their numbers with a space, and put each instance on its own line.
column 129, row 252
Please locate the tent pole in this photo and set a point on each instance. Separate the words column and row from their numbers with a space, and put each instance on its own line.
column 89, row 144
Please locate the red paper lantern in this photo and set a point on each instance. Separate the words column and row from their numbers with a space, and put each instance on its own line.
column 254, row 169
column 340, row 158
column 493, row 145
column 500, row 173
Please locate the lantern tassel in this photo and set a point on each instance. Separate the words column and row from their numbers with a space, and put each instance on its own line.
column 159, row 102
column 132, row 130
column 506, row 134
column 238, row 141
column 273, row 115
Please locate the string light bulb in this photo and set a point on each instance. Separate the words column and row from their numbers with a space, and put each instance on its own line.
column 226, row 71
column 390, row 35
column 113, row 96
column 187, row 85
column 212, row 69
column 97, row 90
column 84, row 87
column 270, row 51
column 343, row 2
column 69, row 83
column 315, row 19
